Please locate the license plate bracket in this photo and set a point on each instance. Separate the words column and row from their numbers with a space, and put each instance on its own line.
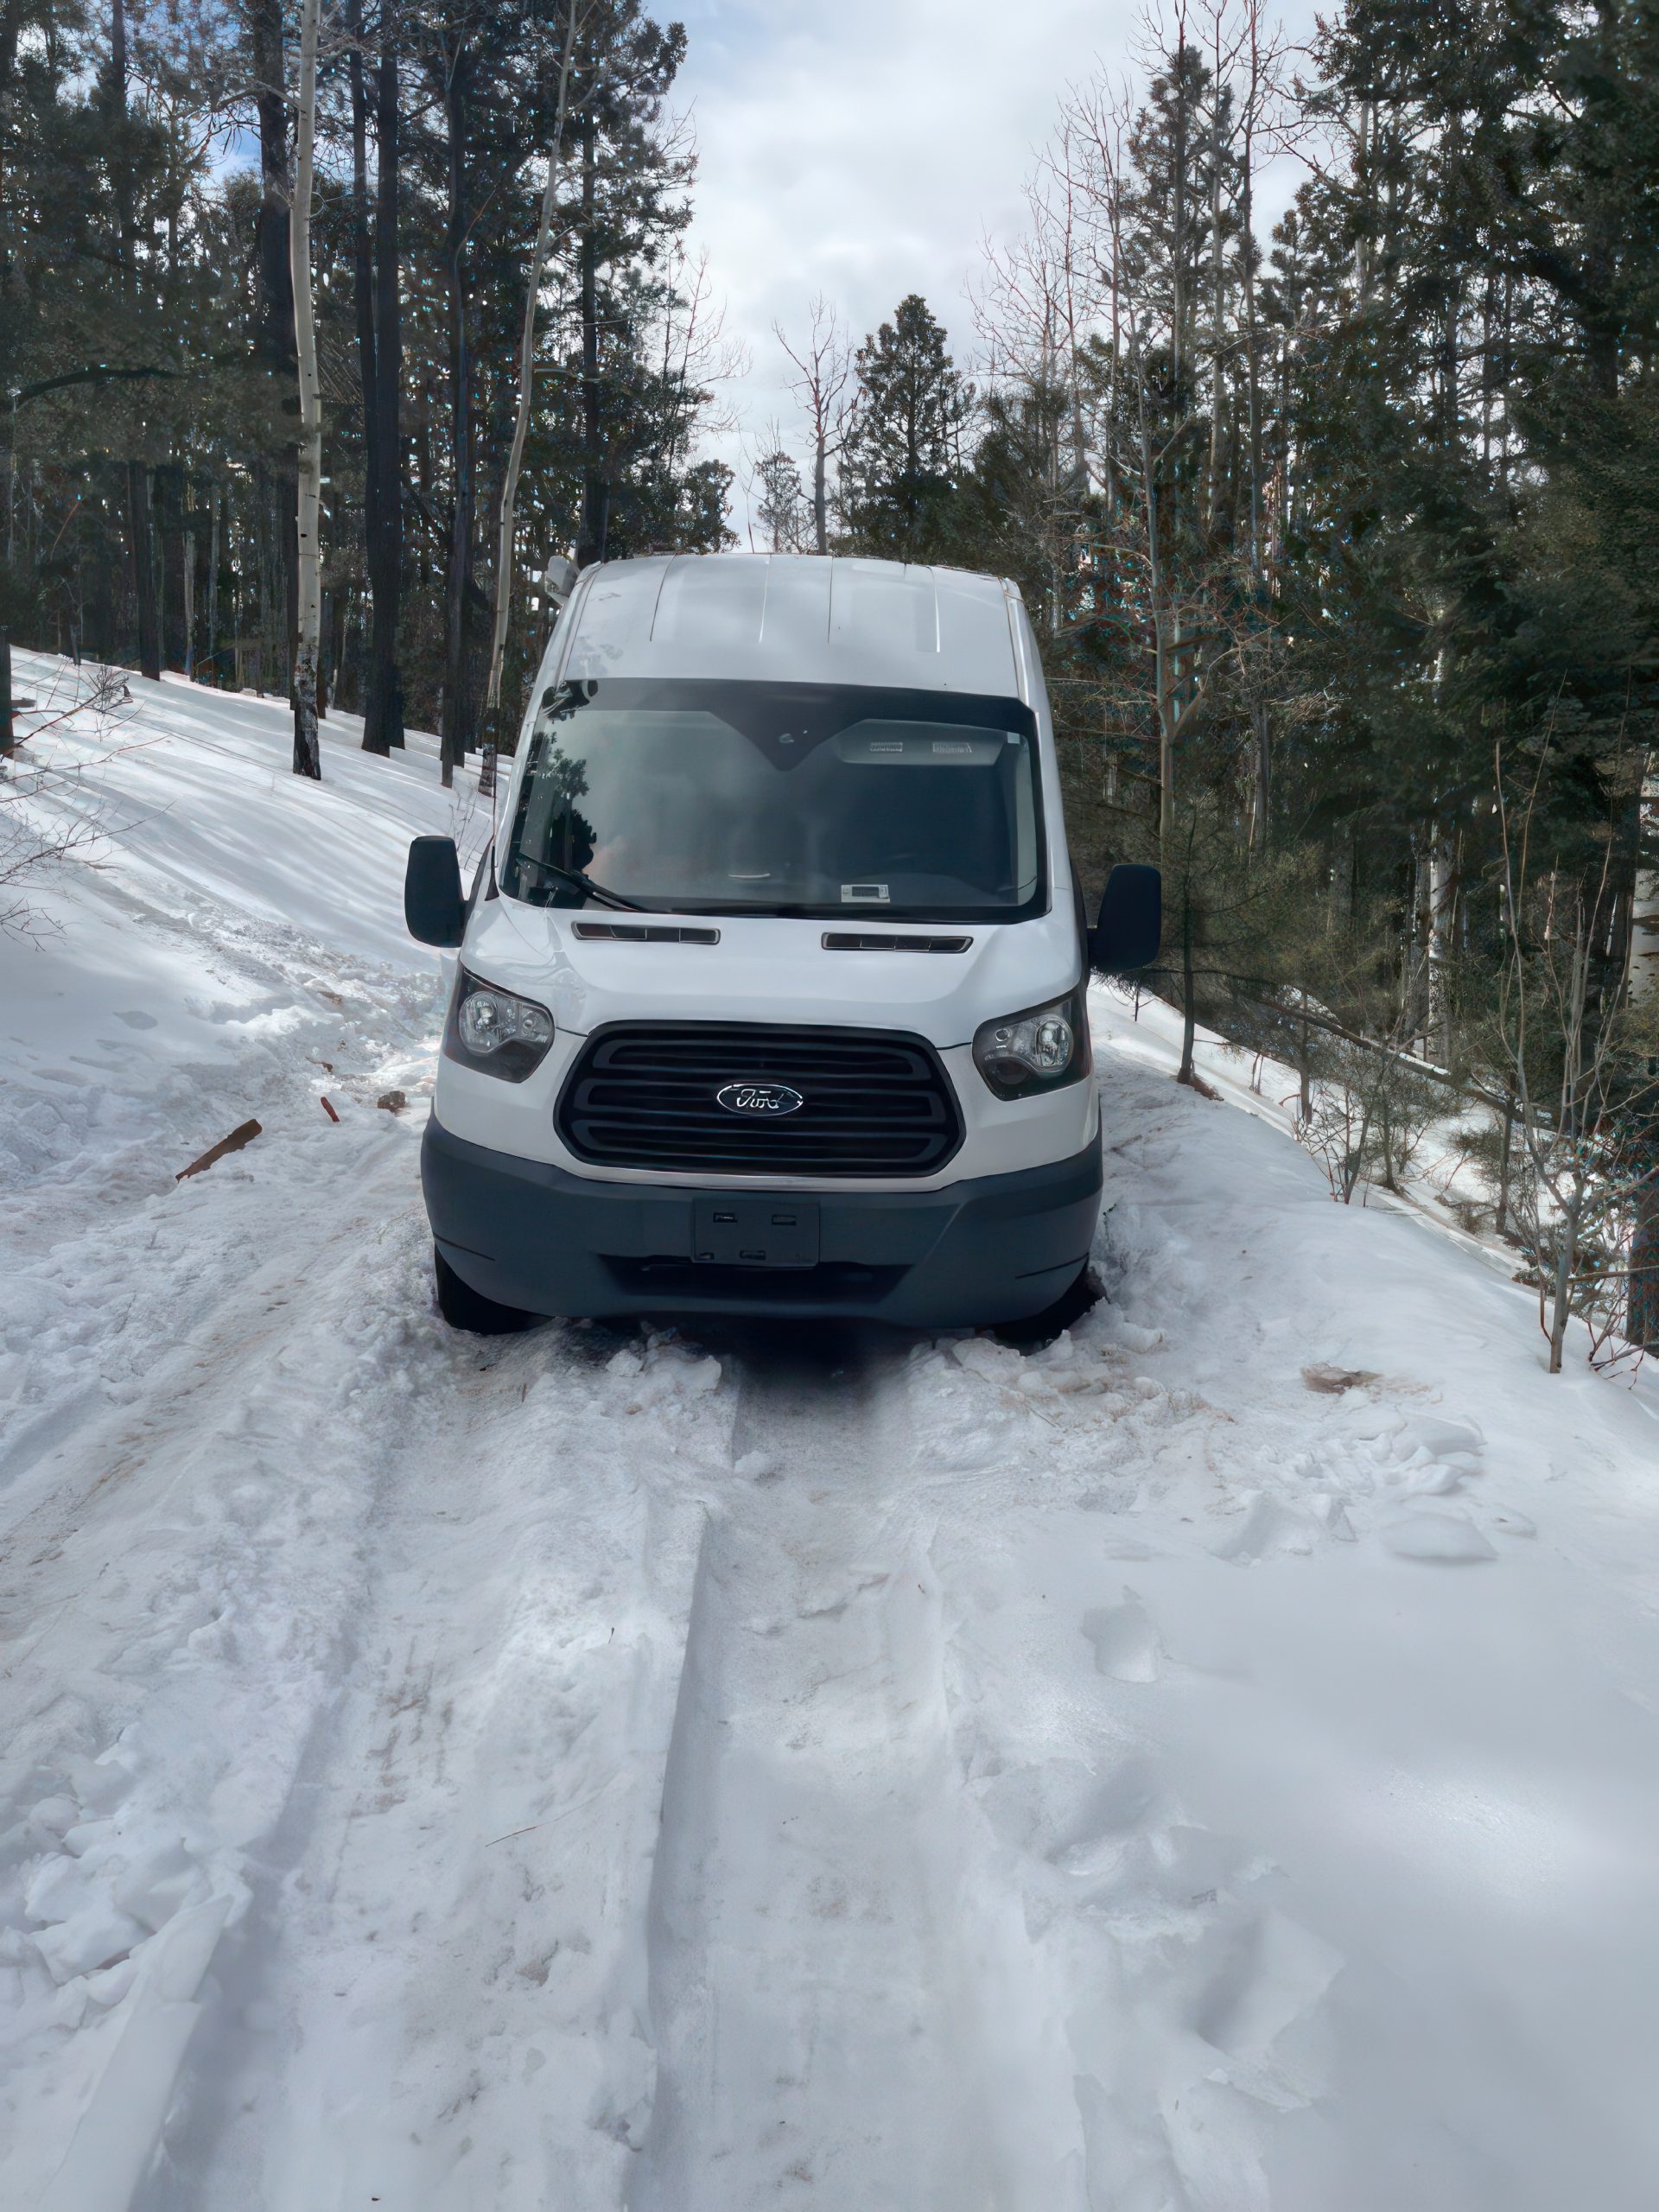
column 750, row 1232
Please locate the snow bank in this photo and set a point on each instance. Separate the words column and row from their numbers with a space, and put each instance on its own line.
column 1304, row 1623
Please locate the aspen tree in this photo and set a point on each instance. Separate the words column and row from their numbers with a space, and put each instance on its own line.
column 307, row 753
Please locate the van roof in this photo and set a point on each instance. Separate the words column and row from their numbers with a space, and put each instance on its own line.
column 798, row 618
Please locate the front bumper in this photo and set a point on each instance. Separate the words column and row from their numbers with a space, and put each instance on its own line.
column 528, row 1234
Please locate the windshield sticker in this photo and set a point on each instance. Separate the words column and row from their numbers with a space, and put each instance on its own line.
column 863, row 894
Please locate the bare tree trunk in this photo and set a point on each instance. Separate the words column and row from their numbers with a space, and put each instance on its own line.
column 452, row 730
column 189, row 587
column 1642, row 1315
column 821, row 368
column 595, row 490
column 820, row 498
column 384, row 709
column 526, row 368
column 141, row 536
column 1442, row 909
column 1262, row 729
column 1218, row 308
column 215, row 509
column 1162, row 679
column 1419, row 929
column 169, row 488
column 1166, row 734
column 1186, row 1072
column 275, row 283
column 1506, row 1163
column 308, row 760
column 363, row 300
column 1178, row 229
column 1561, row 1290
column 1247, row 259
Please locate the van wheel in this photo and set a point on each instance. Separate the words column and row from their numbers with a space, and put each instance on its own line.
column 463, row 1308
column 1039, row 1329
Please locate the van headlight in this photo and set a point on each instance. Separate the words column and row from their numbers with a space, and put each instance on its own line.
column 1040, row 1050
column 495, row 1031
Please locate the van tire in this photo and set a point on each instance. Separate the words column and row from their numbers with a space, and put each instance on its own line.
column 463, row 1308
column 1041, row 1329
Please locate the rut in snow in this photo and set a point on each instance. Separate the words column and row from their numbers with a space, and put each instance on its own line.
column 819, row 2000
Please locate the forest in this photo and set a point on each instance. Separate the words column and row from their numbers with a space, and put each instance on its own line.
column 1339, row 522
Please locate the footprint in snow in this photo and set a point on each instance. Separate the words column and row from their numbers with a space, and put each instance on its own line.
column 1065, row 1811
column 1267, row 1527
column 1379, row 1449
column 1268, row 1973
column 1127, row 1645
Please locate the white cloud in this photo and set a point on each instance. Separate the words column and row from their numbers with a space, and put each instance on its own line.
column 863, row 148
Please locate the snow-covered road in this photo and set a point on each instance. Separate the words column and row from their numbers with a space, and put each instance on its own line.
column 1209, row 1762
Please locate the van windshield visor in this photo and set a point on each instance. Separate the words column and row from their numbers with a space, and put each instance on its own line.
column 764, row 798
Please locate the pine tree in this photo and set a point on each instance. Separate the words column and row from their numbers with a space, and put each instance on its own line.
column 906, row 461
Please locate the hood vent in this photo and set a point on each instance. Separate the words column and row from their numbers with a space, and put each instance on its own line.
column 645, row 932
column 874, row 941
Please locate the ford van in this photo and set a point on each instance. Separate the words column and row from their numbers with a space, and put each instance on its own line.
column 770, row 994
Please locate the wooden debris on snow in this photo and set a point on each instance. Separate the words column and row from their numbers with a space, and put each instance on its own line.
column 234, row 1142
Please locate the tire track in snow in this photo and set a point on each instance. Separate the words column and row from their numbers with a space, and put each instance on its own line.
column 175, row 1617
column 831, row 1972
column 440, row 2000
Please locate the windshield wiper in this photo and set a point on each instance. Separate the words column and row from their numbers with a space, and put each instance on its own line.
column 582, row 881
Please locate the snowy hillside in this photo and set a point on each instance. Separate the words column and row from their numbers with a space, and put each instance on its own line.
column 1209, row 1762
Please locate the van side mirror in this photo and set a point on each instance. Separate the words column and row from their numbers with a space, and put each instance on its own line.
column 433, row 906
column 1130, row 926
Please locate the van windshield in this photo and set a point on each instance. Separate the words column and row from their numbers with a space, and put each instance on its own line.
column 764, row 798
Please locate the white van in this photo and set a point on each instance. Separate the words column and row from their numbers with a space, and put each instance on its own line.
column 771, row 995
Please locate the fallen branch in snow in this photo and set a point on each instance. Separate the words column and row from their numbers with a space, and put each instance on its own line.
column 234, row 1142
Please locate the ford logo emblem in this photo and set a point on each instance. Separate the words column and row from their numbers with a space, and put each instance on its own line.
column 760, row 1098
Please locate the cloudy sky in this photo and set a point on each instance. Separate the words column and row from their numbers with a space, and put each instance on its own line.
column 865, row 148
column 862, row 148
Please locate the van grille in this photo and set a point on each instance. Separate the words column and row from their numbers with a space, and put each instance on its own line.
column 646, row 1096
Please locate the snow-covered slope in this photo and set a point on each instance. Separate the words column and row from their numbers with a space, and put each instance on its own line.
column 1209, row 1762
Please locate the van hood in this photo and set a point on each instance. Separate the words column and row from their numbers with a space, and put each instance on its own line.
column 768, row 969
